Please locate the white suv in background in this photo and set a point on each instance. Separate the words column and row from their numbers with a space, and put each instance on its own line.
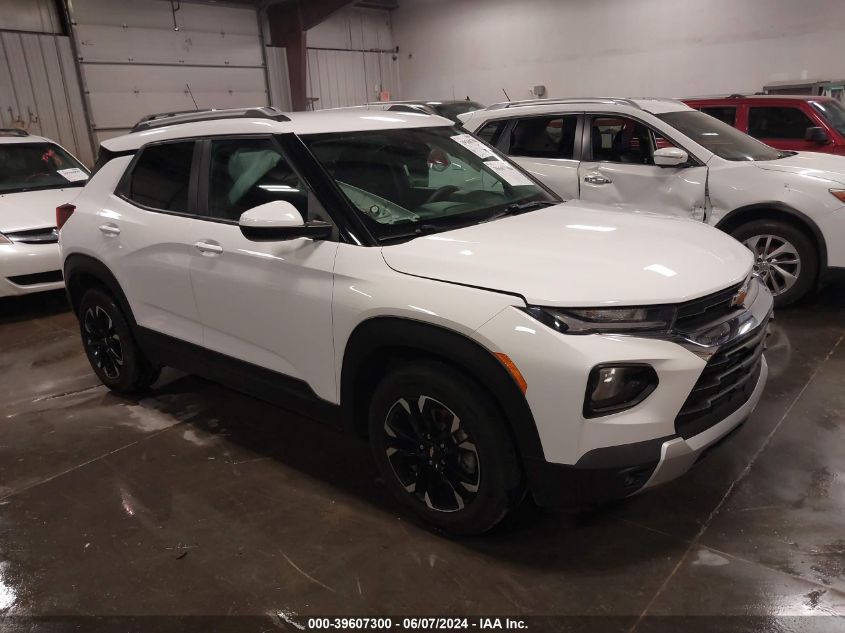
column 661, row 155
column 36, row 176
column 399, row 277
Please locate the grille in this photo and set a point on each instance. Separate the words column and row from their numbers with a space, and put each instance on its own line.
column 37, row 278
column 49, row 235
column 693, row 314
column 727, row 382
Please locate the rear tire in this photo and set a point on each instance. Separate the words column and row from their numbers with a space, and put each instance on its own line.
column 111, row 349
column 785, row 258
column 443, row 448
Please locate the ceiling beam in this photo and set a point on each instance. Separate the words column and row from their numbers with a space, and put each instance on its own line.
column 288, row 24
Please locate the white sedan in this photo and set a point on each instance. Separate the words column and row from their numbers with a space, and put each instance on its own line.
column 36, row 176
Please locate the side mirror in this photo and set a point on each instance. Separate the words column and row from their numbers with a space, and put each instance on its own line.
column 816, row 135
column 279, row 220
column 670, row 157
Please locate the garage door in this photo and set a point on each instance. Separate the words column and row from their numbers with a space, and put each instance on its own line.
column 135, row 62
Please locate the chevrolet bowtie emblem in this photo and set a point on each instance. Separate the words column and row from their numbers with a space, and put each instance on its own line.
column 739, row 298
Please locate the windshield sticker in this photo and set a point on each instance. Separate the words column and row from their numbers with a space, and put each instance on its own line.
column 73, row 174
column 474, row 145
column 509, row 174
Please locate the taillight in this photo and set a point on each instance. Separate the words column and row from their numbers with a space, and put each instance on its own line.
column 63, row 213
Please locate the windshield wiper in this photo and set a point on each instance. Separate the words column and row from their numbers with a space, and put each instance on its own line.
column 521, row 207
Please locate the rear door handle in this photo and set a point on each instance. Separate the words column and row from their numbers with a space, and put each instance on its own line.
column 109, row 228
column 208, row 248
column 597, row 180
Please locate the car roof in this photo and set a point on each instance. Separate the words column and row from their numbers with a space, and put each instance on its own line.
column 15, row 139
column 739, row 97
column 508, row 109
column 431, row 102
column 353, row 119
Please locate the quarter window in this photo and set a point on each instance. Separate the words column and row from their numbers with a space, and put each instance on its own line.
column 492, row 131
column 544, row 137
column 724, row 114
column 246, row 173
column 784, row 122
column 161, row 178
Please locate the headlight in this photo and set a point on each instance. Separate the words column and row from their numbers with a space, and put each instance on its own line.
column 4, row 239
column 605, row 320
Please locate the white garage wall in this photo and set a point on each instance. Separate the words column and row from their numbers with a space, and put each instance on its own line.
column 134, row 63
column 455, row 48
column 349, row 61
column 39, row 90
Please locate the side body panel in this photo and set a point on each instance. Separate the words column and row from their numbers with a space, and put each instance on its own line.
column 148, row 252
column 268, row 303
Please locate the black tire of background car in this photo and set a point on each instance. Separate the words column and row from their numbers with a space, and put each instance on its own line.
column 136, row 372
column 501, row 486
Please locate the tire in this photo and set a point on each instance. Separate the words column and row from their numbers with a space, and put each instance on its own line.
column 426, row 399
column 111, row 349
column 781, row 251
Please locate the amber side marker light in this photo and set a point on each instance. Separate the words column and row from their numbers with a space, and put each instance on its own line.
column 513, row 370
column 838, row 193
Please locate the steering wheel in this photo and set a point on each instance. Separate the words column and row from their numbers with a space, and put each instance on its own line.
column 35, row 175
column 441, row 193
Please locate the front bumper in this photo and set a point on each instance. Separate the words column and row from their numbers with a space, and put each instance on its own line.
column 618, row 472
column 594, row 460
column 28, row 268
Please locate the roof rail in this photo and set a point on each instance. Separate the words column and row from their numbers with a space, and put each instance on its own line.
column 194, row 116
column 529, row 102
column 13, row 131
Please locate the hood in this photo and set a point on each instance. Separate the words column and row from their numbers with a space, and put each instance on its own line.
column 33, row 209
column 810, row 165
column 581, row 255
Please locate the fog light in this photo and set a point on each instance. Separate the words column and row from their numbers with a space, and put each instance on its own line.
column 614, row 388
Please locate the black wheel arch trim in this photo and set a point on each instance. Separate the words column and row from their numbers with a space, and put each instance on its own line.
column 77, row 266
column 374, row 341
column 727, row 222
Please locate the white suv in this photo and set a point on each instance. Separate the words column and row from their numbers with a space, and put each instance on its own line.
column 388, row 272
column 36, row 176
column 661, row 155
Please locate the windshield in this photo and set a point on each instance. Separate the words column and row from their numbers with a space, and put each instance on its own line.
column 833, row 112
column 720, row 138
column 452, row 110
column 29, row 166
column 408, row 181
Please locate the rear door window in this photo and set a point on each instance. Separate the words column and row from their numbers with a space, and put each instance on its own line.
column 726, row 114
column 777, row 122
column 161, row 179
column 621, row 140
column 544, row 137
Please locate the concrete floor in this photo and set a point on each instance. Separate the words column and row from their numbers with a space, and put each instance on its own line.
column 197, row 500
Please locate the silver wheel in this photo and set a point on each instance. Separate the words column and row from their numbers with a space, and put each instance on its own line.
column 776, row 261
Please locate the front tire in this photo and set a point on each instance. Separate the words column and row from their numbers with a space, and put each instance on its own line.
column 111, row 349
column 785, row 258
column 443, row 449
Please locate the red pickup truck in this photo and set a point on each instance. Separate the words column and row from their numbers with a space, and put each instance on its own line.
column 789, row 122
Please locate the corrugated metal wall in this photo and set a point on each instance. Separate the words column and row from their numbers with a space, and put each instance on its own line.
column 347, row 59
column 34, row 16
column 39, row 90
column 135, row 63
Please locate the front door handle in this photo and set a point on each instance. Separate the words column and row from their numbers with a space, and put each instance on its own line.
column 597, row 180
column 208, row 248
column 110, row 228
